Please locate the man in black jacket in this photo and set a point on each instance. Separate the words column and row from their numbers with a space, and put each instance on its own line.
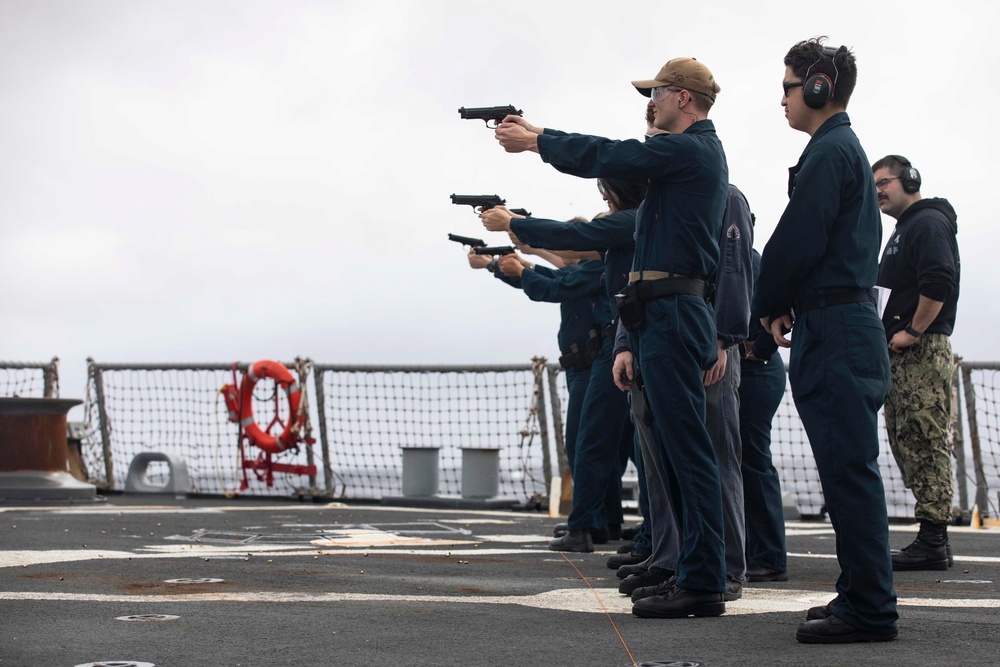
column 921, row 267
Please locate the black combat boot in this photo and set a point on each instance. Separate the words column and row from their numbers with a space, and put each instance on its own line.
column 928, row 552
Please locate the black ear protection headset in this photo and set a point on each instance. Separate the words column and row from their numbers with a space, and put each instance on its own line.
column 817, row 89
column 909, row 178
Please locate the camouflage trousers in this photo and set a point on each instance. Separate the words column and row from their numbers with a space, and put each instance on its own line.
column 918, row 419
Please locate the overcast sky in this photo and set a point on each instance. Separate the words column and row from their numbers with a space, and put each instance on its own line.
column 219, row 181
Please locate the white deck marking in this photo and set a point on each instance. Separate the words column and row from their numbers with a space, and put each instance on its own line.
column 334, row 540
column 147, row 509
column 350, row 542
column 27, row 558
column 379, row 538
column 754, row 601
column 516, row 539
column 168, row 509
column 992, row 560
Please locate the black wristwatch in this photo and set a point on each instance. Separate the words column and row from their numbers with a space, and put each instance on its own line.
column 913, row 332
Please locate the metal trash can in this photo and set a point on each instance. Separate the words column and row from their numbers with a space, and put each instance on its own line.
column 480, row 472
column 420, row 471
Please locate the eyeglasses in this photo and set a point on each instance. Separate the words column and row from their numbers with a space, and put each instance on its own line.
column 788, row 85
column 882, row 183
column 660, row 93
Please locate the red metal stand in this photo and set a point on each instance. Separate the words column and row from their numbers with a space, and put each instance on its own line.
column 264, row 466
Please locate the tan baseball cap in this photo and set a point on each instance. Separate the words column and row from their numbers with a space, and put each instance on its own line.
column 685, row 73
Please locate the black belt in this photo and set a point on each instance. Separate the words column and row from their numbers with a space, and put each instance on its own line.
column 654, row 289
column 852, row 296
column 630, row 301
column 578, row 360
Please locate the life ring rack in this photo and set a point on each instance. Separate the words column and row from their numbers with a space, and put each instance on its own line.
column 240, row 406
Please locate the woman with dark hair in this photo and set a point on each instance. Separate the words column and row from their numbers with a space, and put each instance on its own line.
column 625, row 194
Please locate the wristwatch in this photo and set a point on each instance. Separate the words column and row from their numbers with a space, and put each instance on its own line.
column 913, row 332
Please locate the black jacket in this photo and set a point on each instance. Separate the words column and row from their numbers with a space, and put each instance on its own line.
column 921, row 258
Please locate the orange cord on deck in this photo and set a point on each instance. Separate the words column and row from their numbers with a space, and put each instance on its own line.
column 606, row 612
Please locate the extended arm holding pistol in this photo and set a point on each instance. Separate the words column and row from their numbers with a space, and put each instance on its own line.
column 486, row 114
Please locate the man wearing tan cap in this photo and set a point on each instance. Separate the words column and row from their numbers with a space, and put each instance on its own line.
column 665, row 307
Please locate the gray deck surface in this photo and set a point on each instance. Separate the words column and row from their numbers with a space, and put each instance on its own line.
column 329, row 584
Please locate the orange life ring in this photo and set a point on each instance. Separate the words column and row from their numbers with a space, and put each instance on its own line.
column 277, row 372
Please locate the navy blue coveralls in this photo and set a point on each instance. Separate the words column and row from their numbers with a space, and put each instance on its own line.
column 677, row 230
column 612, row 234
column 733, row 286
column 762, row 387
column 574, row 288
column 825, row 248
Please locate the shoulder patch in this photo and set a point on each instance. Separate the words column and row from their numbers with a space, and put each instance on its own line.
column 733, row 232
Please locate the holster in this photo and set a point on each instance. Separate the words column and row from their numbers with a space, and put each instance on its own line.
column 575, row 359
column 611, row 331
column 594, row 340
column 581, row 356
column 630, row 308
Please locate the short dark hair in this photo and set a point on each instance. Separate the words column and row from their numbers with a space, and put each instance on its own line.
column 807, row 58
column 893, row 164
column 626, row 194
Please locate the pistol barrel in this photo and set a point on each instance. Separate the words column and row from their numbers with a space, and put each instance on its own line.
column 495, row 250
column 467, row 240
column 486, row 114
column 478, row 201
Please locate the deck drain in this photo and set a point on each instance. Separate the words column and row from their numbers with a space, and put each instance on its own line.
column 147, row 617
column 202, row 580
column 117, row 663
